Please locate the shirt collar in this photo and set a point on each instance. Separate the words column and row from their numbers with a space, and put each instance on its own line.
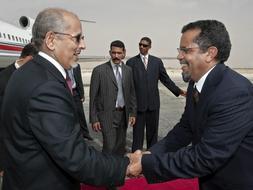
column 201, row 81
column 54, row 62
column 113, row 64
column 16, row 65
column 142, row 56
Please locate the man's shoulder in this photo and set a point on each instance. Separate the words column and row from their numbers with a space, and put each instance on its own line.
column 152, row 57
column 11, row 68
column 133, row 60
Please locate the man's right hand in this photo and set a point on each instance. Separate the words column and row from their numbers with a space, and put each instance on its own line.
column 96, row 126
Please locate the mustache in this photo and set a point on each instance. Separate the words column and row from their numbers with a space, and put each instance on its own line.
column 116, row 59
column 184, row 62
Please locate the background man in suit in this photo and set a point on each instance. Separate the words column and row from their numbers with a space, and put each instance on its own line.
column 78, row 94
column 147, row 71
column 219, row 125
column 26, row 55
column 42, row 138
column 113, row 102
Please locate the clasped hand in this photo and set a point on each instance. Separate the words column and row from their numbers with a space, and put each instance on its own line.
column 134, row 168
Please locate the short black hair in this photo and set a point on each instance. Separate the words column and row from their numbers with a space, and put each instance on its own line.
column 213, row 33
column 147, row 39
column 117, row 43
column 29, row 49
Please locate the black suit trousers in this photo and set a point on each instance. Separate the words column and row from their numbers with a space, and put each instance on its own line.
column 150, row 119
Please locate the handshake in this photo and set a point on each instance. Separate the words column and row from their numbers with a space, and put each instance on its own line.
column 134, row 168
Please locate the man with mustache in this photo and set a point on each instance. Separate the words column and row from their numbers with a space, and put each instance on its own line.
column 112, row 100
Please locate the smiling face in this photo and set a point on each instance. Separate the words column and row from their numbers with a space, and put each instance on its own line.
column 190, row 52
column 66, row 45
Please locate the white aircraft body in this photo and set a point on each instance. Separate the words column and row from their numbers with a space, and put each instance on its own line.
column 13, row 39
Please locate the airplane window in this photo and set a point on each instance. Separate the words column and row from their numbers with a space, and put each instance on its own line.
column 9, row 36
column 4, row 35
column 16, row 38
column 13, row 38
column 0, row 35
column 19, row 39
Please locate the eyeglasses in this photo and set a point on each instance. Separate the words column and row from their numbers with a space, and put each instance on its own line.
column 185, row 50
column 144, row 45
column 77, row 38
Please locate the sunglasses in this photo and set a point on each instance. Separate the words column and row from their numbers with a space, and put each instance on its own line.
column 77, row 38
column 143, row 45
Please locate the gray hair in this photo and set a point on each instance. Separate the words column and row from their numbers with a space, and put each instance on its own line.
column 51, row 19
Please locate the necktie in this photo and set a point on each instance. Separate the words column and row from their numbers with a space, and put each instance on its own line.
column 69, row 82
column 195, row 95
column 120, row 97
column 145, row 61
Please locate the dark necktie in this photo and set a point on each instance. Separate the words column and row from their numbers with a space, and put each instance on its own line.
column 195, row 95
column 69, row 82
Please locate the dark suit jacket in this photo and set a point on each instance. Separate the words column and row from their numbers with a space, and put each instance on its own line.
column 78, row 80
column 146, row 82
column 221, row 131
column 45, row 149
column 103, row 94
column 4, row 78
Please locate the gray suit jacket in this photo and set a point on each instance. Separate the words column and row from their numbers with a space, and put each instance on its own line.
column 103, row 94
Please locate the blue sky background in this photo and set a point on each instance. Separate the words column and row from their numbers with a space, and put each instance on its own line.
column 161, row 20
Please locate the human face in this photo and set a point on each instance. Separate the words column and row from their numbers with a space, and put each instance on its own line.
column 191, row 53
column 144, row 47
column 69, row 43
column 117, row 54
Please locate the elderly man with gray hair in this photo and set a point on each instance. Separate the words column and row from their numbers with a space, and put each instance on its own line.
column 42, row 138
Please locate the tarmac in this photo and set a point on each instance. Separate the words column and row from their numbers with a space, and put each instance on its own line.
column 171, row 107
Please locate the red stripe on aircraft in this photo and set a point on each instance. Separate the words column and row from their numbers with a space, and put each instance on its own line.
column 10, row 48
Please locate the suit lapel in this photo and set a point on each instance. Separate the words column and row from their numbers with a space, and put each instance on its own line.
column 212, row 80
column 109, row 72
column 49, row 67
column 123, row 75
column 140, row 63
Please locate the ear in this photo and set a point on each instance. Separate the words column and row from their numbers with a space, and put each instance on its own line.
column 50, row 40
column 211, row 54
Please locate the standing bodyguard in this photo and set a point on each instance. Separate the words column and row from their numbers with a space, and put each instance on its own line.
column 147, row 71
column 43, row 142
column 112, row 100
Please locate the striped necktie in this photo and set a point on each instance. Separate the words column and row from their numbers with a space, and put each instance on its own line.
column 69, row 82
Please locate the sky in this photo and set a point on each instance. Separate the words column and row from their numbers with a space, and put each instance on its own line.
column 161, row 20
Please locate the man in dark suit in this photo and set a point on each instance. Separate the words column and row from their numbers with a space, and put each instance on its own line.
column 26, row 55
column 78, row 94
column 113, row 102
column 219, row 123
column 147, row 71
column 42, row 138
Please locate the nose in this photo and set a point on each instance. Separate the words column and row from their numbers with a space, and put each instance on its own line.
column 82, row 44
column 180, row 56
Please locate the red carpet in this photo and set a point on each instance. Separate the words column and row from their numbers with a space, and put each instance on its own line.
column 141, row 184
